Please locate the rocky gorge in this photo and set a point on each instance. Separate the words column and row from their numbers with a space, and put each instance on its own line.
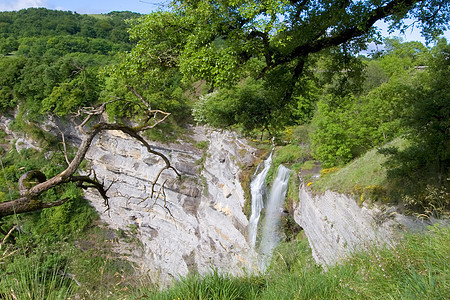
column 197, row 222
column 200, row 224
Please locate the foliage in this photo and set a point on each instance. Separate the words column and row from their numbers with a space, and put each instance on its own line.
column 149, row 70
column 57, row 58
column 251, row 104
column 227, row 35
column 55, row 223
column 332, row 140
column 11, row 69
column 423, row 166
column 8, row 45
column 33, row 22
column 213, row 109
column 353, row 122
column 279, row 44
column 82, row 90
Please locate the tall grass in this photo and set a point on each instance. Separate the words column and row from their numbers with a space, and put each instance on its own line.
column 33, row 280
column 213, row 286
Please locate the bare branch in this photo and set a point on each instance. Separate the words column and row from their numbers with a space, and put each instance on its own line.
column 33, row 183
column 7, row 236
column 86, row 182
column 64, row 144
column 31, row 190
column 131, row 89
column 155, row 120
column 25, row 204
column 89, row 112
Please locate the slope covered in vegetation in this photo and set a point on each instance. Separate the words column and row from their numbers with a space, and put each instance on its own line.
column 257, row 70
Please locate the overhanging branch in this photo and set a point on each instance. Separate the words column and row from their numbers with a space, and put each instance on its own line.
column 351, row 32
column 33, row 183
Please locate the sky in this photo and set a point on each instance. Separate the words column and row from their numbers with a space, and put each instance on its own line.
column 144, row 6
column 85, row 6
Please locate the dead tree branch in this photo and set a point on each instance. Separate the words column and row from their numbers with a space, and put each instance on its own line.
column 32, row 184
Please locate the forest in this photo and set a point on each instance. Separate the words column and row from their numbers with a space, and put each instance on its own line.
column 291, row 71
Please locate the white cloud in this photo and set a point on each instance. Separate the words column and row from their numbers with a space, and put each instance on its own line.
column 6, row 5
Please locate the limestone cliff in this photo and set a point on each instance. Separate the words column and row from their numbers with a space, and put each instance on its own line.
column 336, row 225
column 200, row 224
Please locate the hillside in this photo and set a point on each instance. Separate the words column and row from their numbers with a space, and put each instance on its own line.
column 129, row 144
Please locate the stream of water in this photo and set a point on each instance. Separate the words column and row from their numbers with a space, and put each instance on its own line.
column 271, row 227
column 258, row 190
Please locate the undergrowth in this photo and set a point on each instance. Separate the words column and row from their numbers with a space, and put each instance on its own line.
column 58, row 252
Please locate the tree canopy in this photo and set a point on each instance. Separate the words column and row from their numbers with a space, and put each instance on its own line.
column 284, row 33
column 276, row 42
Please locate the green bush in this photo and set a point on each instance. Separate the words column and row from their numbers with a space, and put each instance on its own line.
column 286, row 155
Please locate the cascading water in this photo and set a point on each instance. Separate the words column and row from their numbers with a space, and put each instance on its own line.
column 257, row 188
column 270, row 233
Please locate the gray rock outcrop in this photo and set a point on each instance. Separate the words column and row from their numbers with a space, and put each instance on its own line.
column 336, row 225
column 198, row 223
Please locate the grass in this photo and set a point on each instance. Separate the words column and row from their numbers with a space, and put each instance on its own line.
column 364, row 171
column 32, row 279
column 287, row 156
column 214, row 286
column 85, row 267
column 417, row 268
column 365, row 177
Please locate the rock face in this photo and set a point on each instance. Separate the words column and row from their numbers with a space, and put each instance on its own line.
column 198, row 222
column 335, row 225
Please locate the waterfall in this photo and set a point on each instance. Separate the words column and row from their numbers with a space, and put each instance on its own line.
column 271, row 226
column 257, row 188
